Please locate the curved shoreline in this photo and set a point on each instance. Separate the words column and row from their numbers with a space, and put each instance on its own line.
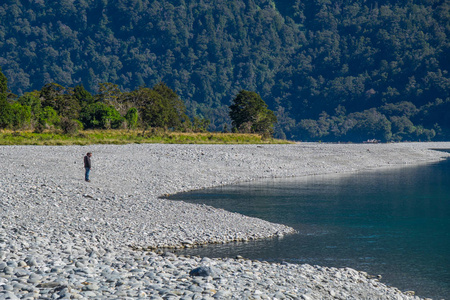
column 52, row 218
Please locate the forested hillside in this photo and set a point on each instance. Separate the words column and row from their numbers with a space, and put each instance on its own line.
column 331, row 70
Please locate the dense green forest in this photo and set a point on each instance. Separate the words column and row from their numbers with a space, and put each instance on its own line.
column 330, row 70
column 56, row 107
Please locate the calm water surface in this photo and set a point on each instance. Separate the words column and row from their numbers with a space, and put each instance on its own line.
column 392, row 222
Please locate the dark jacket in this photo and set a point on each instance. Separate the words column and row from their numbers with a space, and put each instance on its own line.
column 87, row 162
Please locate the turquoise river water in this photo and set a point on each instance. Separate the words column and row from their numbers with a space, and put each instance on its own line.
column 390, row 222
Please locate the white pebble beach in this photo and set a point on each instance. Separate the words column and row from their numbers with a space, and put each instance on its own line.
column 64, row 238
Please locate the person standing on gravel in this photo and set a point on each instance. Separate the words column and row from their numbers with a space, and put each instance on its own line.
column 87, row 166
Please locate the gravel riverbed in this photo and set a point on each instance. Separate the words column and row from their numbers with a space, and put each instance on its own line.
column 64, row 238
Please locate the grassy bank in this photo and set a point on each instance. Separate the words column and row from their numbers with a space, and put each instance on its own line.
column 89, row 137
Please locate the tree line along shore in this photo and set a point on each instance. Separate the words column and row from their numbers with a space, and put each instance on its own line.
column 57, row 115
column 45, row 116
